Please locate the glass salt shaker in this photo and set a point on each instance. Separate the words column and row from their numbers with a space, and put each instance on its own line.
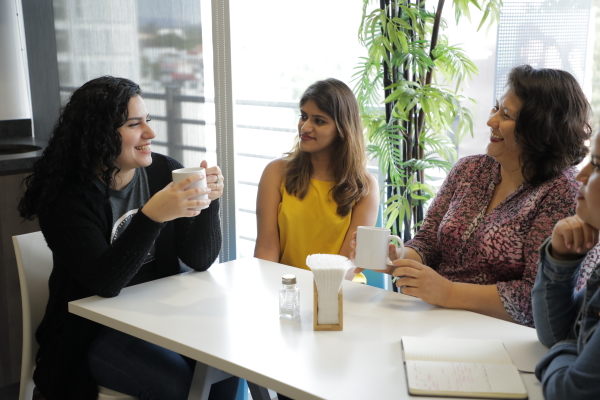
column 289, row 297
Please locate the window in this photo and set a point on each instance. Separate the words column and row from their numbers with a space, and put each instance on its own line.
column 154, row 43
column 277, row 54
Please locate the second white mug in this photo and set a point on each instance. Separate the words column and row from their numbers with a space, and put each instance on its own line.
column 183, row 173
column 372, row 247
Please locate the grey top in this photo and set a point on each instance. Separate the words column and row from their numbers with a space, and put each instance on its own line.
column 125, row 204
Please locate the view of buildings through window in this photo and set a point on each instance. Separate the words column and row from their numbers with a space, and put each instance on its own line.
column 154, row 43
column 275, row 56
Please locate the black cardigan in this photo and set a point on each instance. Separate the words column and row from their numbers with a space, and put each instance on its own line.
column 77, row 229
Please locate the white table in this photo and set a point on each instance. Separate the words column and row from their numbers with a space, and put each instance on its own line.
column 227, row 317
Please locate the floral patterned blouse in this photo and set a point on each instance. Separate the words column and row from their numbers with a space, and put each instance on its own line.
column 464, row 244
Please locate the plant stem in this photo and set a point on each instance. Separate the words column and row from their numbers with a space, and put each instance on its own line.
column 434, row 40
column 434, row 36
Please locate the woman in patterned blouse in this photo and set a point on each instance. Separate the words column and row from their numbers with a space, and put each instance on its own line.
column 477, row 247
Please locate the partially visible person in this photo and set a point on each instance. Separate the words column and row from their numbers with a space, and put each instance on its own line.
column 567, row 319
column 477, row 247
column 311, row 200
column 112, row 218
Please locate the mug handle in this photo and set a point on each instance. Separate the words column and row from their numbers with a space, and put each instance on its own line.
column 389, row 262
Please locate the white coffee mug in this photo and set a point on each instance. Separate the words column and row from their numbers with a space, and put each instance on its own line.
column 184, row 173
column 372, row 247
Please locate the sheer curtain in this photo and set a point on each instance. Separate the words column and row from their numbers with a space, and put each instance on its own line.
column 549, row 34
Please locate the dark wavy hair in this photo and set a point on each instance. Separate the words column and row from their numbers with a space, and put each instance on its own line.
column 83, row 144
column 349, row 162
column 553, row 124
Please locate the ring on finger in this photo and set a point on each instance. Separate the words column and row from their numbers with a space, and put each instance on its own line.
column 218, row 181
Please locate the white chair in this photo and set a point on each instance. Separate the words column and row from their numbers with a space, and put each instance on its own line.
column 34, row 262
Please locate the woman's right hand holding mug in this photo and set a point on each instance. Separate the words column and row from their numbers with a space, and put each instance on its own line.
column 174, row 201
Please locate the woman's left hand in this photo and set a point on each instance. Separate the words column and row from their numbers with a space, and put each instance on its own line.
column 418, row 280
column 214, row 180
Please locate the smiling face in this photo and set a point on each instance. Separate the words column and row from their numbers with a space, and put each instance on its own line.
column 588, row 199
column 317, row 129
column 136, row 136
column 503, row 146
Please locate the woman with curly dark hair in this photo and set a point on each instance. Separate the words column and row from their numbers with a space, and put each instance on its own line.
column 112, row 218
column 478, row 246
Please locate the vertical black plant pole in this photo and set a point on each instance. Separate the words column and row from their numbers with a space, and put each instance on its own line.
column 434, row 39
column 419, row 212
column 384, row 5
column 413, row 127
column 409, row 74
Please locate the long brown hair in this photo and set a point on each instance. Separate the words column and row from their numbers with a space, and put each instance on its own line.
column 85, row 139
column 349, row 162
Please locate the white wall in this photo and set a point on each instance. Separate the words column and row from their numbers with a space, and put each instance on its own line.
column 14, row 88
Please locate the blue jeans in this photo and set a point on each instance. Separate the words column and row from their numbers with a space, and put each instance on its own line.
column 138, row 368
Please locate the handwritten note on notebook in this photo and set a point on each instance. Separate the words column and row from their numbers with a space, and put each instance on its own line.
column 460, row 367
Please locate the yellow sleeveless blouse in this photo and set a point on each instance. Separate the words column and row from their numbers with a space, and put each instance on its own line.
column 311, row 225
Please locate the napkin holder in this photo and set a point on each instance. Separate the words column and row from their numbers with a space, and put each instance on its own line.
column 328, row 327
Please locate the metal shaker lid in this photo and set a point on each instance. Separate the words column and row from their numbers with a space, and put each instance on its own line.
column 288, row 279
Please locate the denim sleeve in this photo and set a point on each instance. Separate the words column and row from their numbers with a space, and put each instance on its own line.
column 566, row 375
column 554, row 299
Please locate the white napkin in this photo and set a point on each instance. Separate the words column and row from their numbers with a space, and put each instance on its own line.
column 329, row 271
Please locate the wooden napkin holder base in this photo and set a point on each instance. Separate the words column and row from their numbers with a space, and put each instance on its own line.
column 328, row 327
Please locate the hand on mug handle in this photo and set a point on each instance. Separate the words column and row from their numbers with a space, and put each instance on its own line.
column 395, row 255
column 214, row 179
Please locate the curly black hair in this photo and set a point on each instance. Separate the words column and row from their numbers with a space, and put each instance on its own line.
column 83, row 144
column 553, row 124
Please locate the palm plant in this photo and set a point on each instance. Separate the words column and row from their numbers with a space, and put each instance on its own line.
column 405, row 53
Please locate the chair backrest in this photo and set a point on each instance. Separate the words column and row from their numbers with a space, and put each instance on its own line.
column 34, row 263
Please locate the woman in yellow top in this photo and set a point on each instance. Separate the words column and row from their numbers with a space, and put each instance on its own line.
column 311, row 200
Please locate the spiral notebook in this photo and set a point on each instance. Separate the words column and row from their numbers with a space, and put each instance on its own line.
column 460, row 368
